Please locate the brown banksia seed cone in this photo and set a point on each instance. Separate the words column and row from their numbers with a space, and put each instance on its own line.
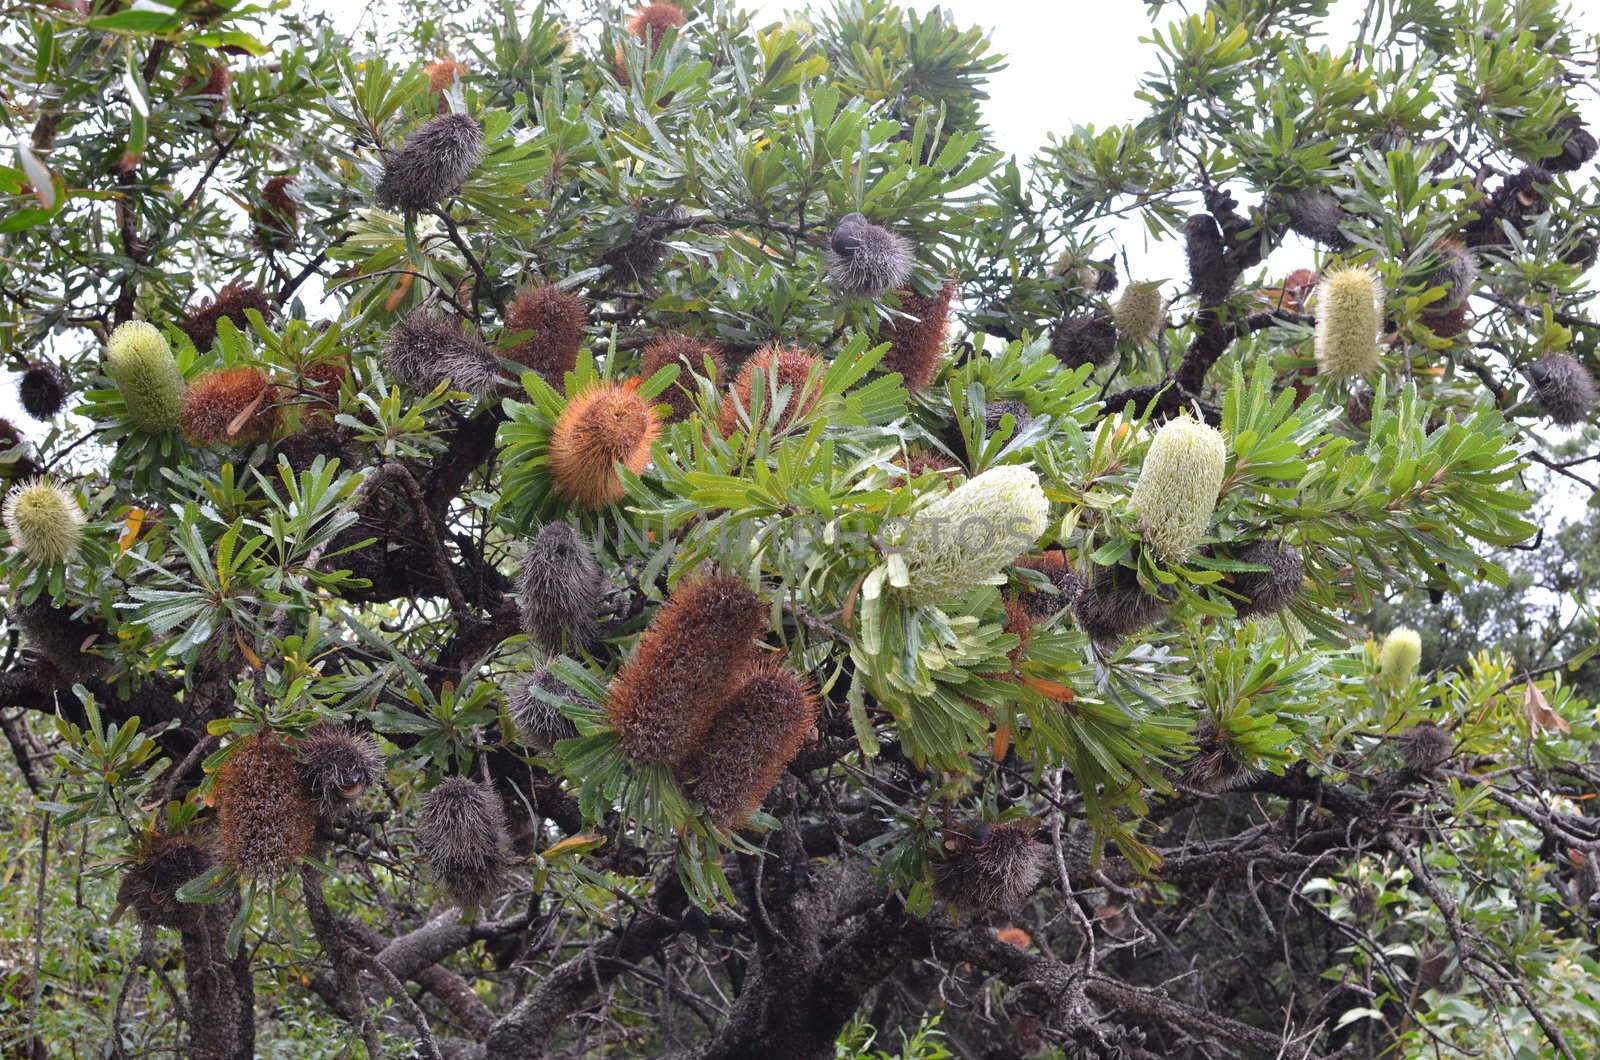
column 426, row 348
column 1425, row 747
column 161, row 865
column 539, row 723
column 62, row 639
column 560, row 589
column 605, row 425
column 866, row 259
column 990, row 866
column 752, row 741
column 1269, row 591
column 462, row 834
column 689, row 662
column 1563, row 388
column 432, row 165
column 337, row 766
column 555, row 320
column 637, row 257
column 917, row 339
column 265, row 820
column 200, row 323
column 652, row 21
column 690, row 355
column 1068, row 583
column 1317, row 215
column 1087, row 338
column 234, row 406
column 1577, row 146
column 277, row 216
column 793, row 369
column 42, row 390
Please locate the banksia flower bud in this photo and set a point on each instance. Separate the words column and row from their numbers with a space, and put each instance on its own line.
column 1425, row 747
column 277, row 216
column 1349, row 318
column 235, row 406
column 991, row 866
column 265, row 821
column 794, row 368
column 462, row 833
column 1178, row 486
column 752, row 741
column 1114, row 606
column 42, row 390
column 1068, row 583
column 555, row 318
column 1400, row 655
column 337, row 766
column 867, row 259
column 606, row 425
column 638, row 257
column 1577, row 146
column 560, row 589
column 652, row 21
column 432, row 165
column 917, row 339
column 1141, row 312
column 690, row 659
column 44, row 520
column 1216, row 765
column 1269, row 591
column 63, row 640
column 1563, row 388
column 162, row 865
column 140, row 363
column 425, row 349
column 1209, row 273
column 1088, row 338
column 689, row 354
column 973, row 532
column 1317, row 215
column 201, row 322
column 538, row 722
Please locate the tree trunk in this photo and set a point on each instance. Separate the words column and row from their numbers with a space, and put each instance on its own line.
column 221, row 995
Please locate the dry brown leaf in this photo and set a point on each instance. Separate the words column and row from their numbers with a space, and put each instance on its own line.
column 1540, row 716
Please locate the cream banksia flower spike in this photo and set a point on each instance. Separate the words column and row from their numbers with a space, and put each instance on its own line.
column 1140, row 312
column 44, row 520
column 1349, row 318
column 1178, row 486
column 1400, row 655
column 140, row 363
column 969, row 535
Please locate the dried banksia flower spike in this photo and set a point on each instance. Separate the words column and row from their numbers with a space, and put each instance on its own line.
column 1400, row 655
column 44, row 520
column 1178, row 486
column 1140, row 312
column 560, row 589
column 917, row 338
column 337, row 766
column 1563, row 388
column 689, row 661
column 42, row 390
column 1216, row 766
column 991, row 866
column 462, row 833
column 972, row 533
column 162, row 865
column 539, row 722
column 1114, row 606
column 867, row 259
column 555, row 319
column 426, row 349
column 265, row 820
column 1349, row 319
column 690, row 355
column 235, row 406
column 432, row 165
column 1269, row 591
column 230, row 303
column 1087, row 338
column 141, row 364
column 652, row 22
column 753, row 740
column 1317, row 215
column 1425, row 747
column 605, row 425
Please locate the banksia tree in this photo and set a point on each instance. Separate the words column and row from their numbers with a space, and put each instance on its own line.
column 971, row 534
column 1349, row 306
column 917, row 338
column 265, row 819
column 867, row 259
column 1563, row 388
column 752, row 740
column 44, row 521
column 230, row 303
column 431, row 166
column 140, row 363
column 1425, row 747
column 538, row 721
column 555, row 319
column 1140, row 313
column 234, row 406
column 1087, row 338
column 337, row 766
column 560, row 589
column 426, row 348
column 42, row 390
column 1269, row 591
column 1177, row 488
column 991, row 866
column 161, row 865
column 462, row 832
column 793, row 368
column 690, row 355
column 606, row 425
column 689, row 661
column 1400, row 655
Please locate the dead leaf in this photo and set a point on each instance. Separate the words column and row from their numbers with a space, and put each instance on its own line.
column 1540, row 716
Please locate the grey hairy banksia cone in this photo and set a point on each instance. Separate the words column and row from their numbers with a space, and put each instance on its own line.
column 462, row 833
column 161, row 865
column 337, row 766
column 539, row 722
column 1563, row 388
column 867, row 259
column 42, row 390
column 1087, row 338
column 1178, row 486
column 991, row 866
column 1113, row 605
column 560, row 588
column 1425, row 747
column 431, row 166
column 425, row 348
column 1269, row 591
